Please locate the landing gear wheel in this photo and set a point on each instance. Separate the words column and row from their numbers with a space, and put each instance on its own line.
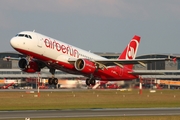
column 55, row 81
column 88, row 82
column 93, row 82
column 50, row 81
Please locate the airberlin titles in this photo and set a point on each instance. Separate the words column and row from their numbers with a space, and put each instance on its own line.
column 65, row 49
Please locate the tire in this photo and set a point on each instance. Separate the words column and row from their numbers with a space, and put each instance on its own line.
column 55, row 81
column 88, row 82
column 50, row 81
column 93, row 82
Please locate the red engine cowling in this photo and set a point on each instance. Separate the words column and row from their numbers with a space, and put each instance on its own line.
column 28, row 66
column 85, row 66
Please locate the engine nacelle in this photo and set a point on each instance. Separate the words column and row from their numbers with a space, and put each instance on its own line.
column 85, row 66
column 28, row 66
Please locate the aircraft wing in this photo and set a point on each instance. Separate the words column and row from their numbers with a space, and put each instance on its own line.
column 10, row 58
column 110, row 62
column 121, row 62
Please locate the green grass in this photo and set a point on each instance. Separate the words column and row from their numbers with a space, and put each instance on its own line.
column 89, row 99
column 114, row 118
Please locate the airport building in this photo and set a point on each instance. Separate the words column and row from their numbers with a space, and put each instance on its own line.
column 9, row 70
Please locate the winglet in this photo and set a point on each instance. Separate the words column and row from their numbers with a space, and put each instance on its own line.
column 174, row 60
column 7, row 58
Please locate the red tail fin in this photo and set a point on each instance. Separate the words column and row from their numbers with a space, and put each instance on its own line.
column 130, row 50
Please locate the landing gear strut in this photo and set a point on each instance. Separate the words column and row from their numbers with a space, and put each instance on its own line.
column 52, row 80
column 91, row 81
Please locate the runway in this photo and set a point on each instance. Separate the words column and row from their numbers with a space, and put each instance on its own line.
column 89, row 113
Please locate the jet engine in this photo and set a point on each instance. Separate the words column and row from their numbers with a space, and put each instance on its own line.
column 85, row 66
column 29, row 66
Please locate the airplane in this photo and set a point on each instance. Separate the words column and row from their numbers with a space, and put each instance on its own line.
column 43, row 51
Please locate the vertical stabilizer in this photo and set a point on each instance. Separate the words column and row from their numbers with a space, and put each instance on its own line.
column 130, row 50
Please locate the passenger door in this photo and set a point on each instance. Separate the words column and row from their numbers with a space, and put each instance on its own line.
column 40, row 41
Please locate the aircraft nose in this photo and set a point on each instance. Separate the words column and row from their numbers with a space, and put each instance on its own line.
column 13, row 42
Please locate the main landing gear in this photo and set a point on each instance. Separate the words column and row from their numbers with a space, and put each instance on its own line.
column 90, row 81
column 52, row 80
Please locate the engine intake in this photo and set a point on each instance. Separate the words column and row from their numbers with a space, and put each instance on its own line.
column 23, row 63
column 28, row 66
column 85, row 66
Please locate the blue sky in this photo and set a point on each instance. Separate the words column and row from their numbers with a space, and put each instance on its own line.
column 96, row 25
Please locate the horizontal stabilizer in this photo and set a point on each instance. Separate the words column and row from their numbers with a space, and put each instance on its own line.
column 146, row 72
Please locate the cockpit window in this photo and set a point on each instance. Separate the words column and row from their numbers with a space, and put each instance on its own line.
column 21, row 35
column 30, row 37
column 24, row 35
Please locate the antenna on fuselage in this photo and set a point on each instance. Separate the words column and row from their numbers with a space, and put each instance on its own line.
column 33, row 30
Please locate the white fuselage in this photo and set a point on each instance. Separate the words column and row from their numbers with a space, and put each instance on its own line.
column 50, row 47
column 59, row 55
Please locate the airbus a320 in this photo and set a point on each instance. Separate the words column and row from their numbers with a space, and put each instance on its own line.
column 43, row 51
